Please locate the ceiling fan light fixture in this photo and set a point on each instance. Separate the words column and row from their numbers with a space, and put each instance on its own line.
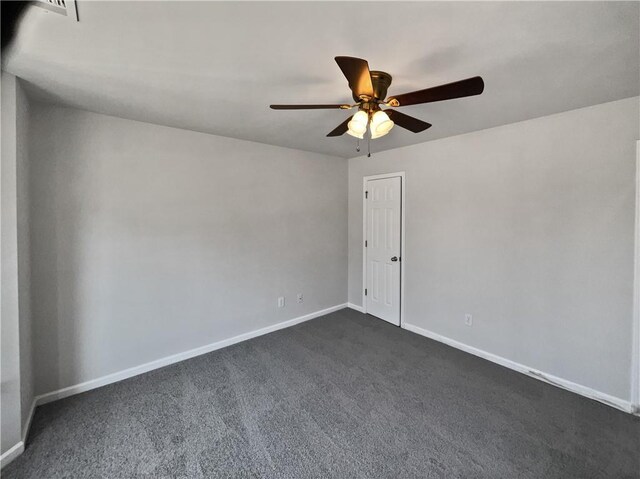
column 358, row 125
column 356, row 135
column 381, row 124
column 375, row 136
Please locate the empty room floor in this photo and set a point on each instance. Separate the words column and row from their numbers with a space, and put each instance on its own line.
column 344, row 395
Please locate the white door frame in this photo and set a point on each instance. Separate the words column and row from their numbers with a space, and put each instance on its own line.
column 403, row 253
column 635, row 351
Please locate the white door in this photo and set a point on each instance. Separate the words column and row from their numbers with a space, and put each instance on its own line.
column 383, row 199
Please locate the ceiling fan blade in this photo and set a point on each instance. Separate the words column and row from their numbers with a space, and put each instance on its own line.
column 408, row 122
column 458, row 89
column 341, row 129
column 310, row 107
column 358, row 75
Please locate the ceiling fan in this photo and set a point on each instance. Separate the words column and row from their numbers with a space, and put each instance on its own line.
column 369, row 90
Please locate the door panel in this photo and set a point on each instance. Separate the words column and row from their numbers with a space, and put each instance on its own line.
column 383, row 244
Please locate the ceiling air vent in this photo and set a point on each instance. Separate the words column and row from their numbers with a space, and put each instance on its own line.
column 62, row 7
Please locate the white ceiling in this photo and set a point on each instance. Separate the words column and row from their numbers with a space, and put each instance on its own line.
column 215, row 67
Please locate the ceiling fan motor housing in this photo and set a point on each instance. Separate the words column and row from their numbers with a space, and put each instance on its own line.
column 381, row 82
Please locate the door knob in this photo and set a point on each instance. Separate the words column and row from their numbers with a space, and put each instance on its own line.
column 395, row 258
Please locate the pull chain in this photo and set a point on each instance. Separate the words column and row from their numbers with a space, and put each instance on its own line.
column 358, row 144
column 369, row 147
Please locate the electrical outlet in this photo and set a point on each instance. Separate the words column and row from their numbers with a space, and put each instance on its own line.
column 300, row 298
column 281, row 302
column 468, row 319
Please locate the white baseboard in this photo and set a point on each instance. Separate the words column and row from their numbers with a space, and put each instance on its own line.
column 18, row 449
column 356, row 307
column 521, row 368
column 11, row 454
column 27, row 426
column 166, row 361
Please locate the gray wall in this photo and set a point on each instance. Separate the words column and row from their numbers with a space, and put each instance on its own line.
column 530, row 228
column 10, row 427
column 148, row 241
column 24, row 257
column 15, row 319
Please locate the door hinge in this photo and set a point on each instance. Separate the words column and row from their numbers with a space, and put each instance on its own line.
column 365, row 291
column 366, row 195
column 365, row 243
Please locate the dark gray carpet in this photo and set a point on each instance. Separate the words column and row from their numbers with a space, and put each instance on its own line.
column 343, row 396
